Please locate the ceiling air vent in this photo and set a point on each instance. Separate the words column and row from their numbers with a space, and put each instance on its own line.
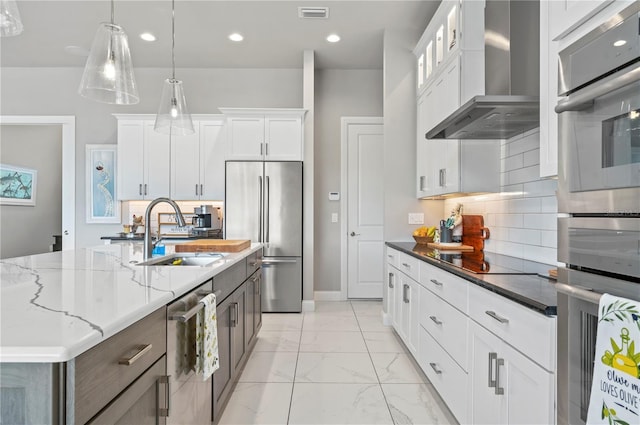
column 313, row 12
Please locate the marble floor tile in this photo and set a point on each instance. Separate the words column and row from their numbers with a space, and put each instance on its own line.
column 282, row 321
column 338, row 308
column 369, row 308
column 269, row 366
column 338, row 404
column 332, row 342
column 335, row 368
column 396, row 368
column 329, row 322
column 417, row 404
column 258, row 403
column 278, row 341
column 372, row 323
column 383, row 342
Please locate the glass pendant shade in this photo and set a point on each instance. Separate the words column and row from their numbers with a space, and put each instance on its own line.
column 173, row 116
column 108, row 74
column 10, row 23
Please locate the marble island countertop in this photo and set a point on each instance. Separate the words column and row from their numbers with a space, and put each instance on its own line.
column 55, row 306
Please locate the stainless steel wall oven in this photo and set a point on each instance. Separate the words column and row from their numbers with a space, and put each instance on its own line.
column 598, row 194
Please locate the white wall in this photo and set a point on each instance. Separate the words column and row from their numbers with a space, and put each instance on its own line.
column 522, row 218
column 27, row 230
column 53, row 91
column 339, row 93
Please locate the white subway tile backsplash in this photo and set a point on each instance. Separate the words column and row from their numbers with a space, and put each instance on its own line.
column 524, row 205
column 540, row 253
column 549, row 204
column 540, row 221
column 499, row 233
column 524, row 175
column 509, row 220
column 512, row 162
column 497, row 206
column 549, row 238
column 530, row 158
column 540, row 188
column 523, row 144
column 524, row 236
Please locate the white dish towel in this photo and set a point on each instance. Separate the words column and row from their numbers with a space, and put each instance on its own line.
column 207, row 360
column 615, row 392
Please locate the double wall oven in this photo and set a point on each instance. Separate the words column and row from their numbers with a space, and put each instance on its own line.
column 598, row 194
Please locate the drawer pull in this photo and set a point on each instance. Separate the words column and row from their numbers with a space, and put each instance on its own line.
column 406, row 265
column 435, row 282
column 435, row 320
column 142, row 350
column 495, row 316
column 435, row 369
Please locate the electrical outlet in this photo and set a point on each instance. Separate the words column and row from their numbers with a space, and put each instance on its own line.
column 416, row 218
column 334, row 217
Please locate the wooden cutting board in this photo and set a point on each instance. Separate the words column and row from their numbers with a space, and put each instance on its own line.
column 473, row 231
column 462, row 247
column 214, row 245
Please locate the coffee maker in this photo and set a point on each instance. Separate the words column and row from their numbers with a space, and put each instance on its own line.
column 207, row 221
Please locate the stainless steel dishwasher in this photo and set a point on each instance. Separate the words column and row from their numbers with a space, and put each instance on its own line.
column 190, row 396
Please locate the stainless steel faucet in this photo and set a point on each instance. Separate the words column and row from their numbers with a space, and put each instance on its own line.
column 148, row 245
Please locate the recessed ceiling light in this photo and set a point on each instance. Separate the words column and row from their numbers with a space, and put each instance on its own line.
column 147, row 36
column 236, row 37
column 333, row 38
column 620, row 43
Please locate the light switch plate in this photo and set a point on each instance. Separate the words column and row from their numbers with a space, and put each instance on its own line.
column 416, row 218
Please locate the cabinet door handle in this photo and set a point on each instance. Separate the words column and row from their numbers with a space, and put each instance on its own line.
column 234, row 314
column 266, row 149
column 201, row 191
column 390, row 280
column 435, row 282
column 145, row 189
column 196, row 189
column 499, row 389
column 492, row 357
column 261, row 151
column 405, row 296
column 435, row 368
column 422, row 179
column 435, row 320
column 142, row 350
column 140, row 189
column 495, row 316
column 165, row 380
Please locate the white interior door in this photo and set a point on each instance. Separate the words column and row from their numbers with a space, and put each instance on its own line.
column 365, row 245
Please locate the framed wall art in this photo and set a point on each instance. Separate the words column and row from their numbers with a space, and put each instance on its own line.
column 17, row 185
column 101, row 203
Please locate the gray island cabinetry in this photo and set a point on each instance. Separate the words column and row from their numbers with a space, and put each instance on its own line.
column 95, row 376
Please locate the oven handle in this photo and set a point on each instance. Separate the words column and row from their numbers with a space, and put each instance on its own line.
column 584, row 98
column 577, row 292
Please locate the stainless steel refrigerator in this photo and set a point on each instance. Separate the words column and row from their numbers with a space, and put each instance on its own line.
column 263, row 202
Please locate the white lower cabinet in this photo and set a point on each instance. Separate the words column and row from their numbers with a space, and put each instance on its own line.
column 408, row 305
column 506, row 386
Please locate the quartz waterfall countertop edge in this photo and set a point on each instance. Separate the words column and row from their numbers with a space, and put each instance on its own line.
column 57, row 305
column 530, row 290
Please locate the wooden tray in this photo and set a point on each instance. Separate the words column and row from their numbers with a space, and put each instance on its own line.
column 214, row 245
column 473, row 231
column 462, row 247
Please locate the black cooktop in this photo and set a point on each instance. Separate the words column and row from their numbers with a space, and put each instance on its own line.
column 480, row 262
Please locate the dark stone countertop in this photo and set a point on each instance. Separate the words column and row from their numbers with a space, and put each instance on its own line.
column 531, row 290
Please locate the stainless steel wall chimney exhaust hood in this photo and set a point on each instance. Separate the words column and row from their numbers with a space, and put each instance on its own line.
column 510, row 104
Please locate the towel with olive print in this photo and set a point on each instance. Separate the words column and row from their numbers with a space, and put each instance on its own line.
column 207, row 360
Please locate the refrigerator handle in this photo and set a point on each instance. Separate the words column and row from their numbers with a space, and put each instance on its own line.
column 266, row 222
column 259, row 208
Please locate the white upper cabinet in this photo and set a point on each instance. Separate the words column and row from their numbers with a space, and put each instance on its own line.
column 197, row 162
column 567, row 15
column 143, row 160
column 264, row 134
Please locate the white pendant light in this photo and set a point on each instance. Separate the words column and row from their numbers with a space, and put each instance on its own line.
column 10, row 23
column 108, row 74
column 173, row 116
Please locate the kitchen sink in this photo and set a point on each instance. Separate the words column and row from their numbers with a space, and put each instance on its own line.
column 199, row 259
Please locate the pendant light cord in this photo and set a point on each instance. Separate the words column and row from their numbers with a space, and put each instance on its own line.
column 173, row 39
column 111, row 12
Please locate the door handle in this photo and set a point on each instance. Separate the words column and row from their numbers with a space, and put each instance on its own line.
column 164, row 412
column 495, row 316
column 499, row 389
column 354, row 234
column 260, row 207
column 422, row 179
column 140, row 189
column 201, row 190
column 234, row 315
column 492, row 358
column 145, row 189
column 268, row 194
column 390, row 280
column 196, row 189
column 405, row 298
column 435, row 369
column 435, row 320
column 436, row 282
column 266, row 149
column 142, row 350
